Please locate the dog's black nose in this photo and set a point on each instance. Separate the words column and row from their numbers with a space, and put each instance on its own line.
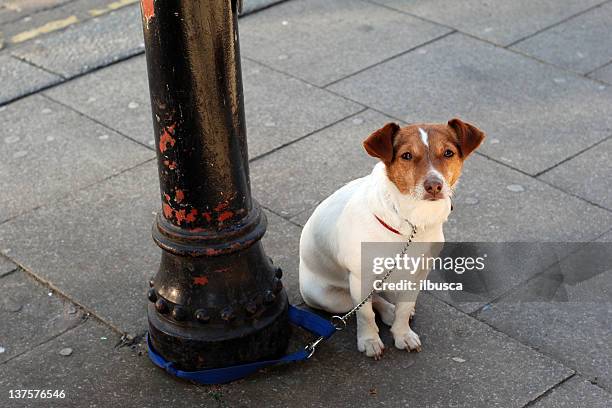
column 433, row 185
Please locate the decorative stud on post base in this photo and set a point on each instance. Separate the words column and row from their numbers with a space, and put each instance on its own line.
column 216, row 300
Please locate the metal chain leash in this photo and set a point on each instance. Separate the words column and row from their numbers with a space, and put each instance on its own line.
column 339, row 322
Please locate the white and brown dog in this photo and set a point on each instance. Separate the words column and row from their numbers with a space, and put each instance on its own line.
column 419, row 167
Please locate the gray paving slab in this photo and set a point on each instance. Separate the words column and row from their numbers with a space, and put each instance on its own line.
column 95, row 246
column 117, row 96
column 603, row 74
column 48, row 150
column 535, row 115
column 11, row 10
column 575, row 392
column 31, row 314
column 6, row 266
column 588, row 175
column 19, row 78
column 279, row 108
column 499, row 21
column 334, row 156
column 96, row 374
column 573, row 326
column 299, row 176
column 84, row 47
column 496, row 371
column 322, row 41
column 579, row 44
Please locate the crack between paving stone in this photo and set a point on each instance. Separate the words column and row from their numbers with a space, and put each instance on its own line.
column 598, row 68
column 388, row 59
column 55, row 336
column 281, row 216
column 5, row 274
column 86, row 116
column 571, row 157
column 548, row 391
column 34, row 92
column 261, row 156
column 307, row 209
column 601, row 235
column 33, row 64
column 552, row 64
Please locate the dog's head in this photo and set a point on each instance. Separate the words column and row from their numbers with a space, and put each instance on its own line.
column 424, row 161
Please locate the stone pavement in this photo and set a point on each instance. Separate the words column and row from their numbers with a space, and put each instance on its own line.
column 80, row 192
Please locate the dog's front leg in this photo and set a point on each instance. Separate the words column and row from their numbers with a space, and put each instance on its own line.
column 368, row 340
column 405, row 338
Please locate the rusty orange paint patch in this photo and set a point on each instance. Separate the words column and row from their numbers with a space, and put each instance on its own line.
column 170, row 164
column 148, row 9
column 168, row 211
column 221, row 206
column 183, row 215
column 180, row 195
column 200, row 280
column 207, row 216
column 167, row 138
column 225, row 215
column 191, row 217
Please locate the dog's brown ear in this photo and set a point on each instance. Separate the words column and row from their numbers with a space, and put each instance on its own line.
column 468, row 136
column 380, row 143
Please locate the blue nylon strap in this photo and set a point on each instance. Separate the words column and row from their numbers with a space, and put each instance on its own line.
column 303, row 318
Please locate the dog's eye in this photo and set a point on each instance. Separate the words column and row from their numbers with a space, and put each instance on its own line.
column 407, row 156
column 448, row 153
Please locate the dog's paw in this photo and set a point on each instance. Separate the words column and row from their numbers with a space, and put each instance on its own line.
column 372, row 346
column 407, row 340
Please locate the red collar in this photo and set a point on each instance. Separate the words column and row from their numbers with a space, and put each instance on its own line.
column 387, row 226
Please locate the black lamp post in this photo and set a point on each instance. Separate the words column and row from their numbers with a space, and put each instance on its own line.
column 216, row 300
